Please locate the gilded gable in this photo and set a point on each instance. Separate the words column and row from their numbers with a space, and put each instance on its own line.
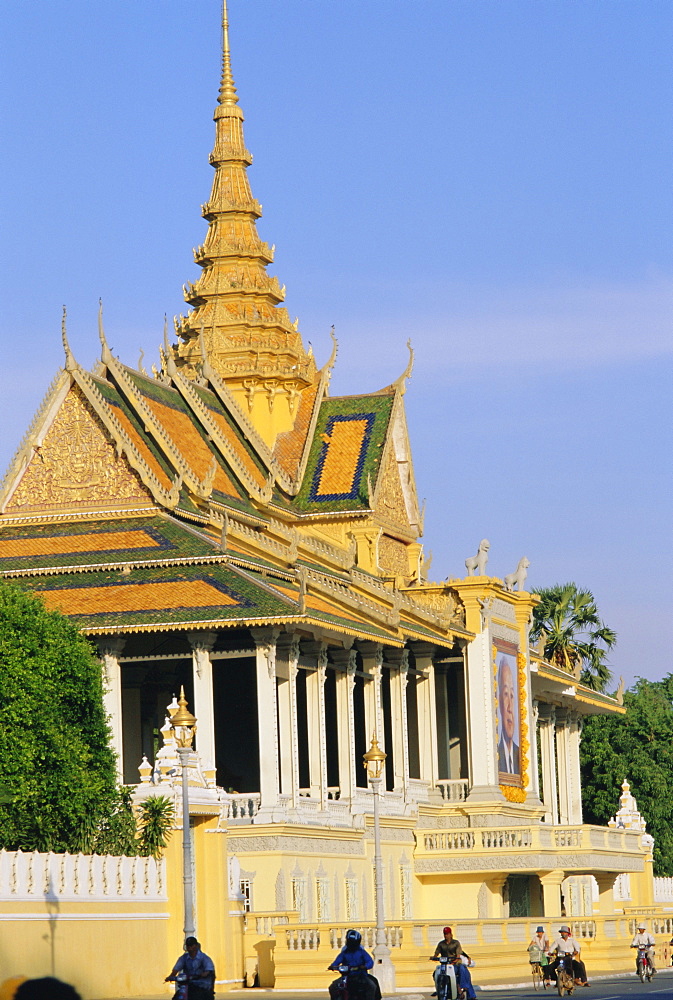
column 76, row 465
column 390, row 498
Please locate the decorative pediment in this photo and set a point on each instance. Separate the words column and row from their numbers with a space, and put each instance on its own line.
column 75, row 466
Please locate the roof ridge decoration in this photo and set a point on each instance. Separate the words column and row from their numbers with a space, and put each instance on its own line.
column 123, row 442
column 70, row 363
column 248, row 336
column 261, row 491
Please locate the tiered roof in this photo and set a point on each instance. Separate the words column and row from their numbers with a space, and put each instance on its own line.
column 143, row 503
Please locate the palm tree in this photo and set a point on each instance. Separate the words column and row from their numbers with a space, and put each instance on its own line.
column 571, row 634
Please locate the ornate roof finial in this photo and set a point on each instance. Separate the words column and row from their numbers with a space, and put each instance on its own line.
column 106, row 354
column 227, row 88
column 70, row 362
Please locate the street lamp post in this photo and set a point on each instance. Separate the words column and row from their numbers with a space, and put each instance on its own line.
column 184, row 726
column 375, row 759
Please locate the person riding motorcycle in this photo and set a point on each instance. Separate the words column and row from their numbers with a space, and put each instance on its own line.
column 643, row 939
column 199, row 969
column 567, row 948
column 359, row 961
column 450, row 947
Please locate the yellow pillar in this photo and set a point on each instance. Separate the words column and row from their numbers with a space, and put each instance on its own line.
column 606, row 897
column 551, row 892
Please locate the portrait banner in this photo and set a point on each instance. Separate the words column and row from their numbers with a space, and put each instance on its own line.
column 509, row 713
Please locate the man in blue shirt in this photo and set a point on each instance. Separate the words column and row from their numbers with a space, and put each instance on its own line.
column 353, row 955
column 200, row 971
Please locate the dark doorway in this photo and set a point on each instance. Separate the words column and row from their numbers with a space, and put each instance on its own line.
column 236, row 725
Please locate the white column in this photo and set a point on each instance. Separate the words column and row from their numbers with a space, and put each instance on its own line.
column 427, row 713
column 534, row 768
column 345, row 660
column 110, row 650
column 574, row 775
column 315, row 704
column 547, row 723
column 202, row 669
column 372, row 660
column 399, row 660
column 562, row 765
column 288, row 738
column 322, row 677
column 265, row 642
column 482, row 734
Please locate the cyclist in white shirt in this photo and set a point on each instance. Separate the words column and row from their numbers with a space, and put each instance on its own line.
column 644, row 939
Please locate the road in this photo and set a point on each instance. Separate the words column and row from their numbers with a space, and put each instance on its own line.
column 614, row 988
column 623, row 987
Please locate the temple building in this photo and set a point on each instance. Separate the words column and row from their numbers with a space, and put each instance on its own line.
column 223, row 524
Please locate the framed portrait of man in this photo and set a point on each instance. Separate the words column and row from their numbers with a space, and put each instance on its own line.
column 508, row 713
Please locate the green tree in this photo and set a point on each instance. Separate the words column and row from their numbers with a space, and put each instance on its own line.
column 155, row 823
column 57, row 771
column 637, row 746
column 574, row 637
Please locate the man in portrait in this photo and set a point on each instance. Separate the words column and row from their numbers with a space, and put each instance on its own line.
column 508, row 705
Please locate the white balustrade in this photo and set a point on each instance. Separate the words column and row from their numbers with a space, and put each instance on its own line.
column 585, row 930
column 568, row 837
column 56, row 877
column 499, row 839
column 239, row 808
column 449, row 840
column 453, row 790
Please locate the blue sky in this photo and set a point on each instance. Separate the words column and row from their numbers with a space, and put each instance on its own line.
column 491, row 179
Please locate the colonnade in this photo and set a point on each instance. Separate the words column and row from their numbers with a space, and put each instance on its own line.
column 560, row 733
column 313, row 729
column 396, row 700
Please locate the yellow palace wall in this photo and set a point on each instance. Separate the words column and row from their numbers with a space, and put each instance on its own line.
column 111, row 948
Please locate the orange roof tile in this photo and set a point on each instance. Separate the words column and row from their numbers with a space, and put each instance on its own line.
column 340, row 464
column 94, row 542
column 141, row 445
column 189, row 443
column 290, row 445
column 137, row 597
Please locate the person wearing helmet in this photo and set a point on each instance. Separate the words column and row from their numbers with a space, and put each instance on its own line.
column 360, row 962
column 643, row 939
column 450, row 947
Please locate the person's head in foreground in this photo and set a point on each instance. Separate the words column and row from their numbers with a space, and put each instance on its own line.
column 47, row 988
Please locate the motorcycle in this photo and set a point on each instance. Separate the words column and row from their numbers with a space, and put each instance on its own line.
column 565, row 980
column 352, row 984
column 181, row 986
column 446, row 982
column 643, row 964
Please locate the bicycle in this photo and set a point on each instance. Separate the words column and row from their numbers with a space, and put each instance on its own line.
column 537, row 969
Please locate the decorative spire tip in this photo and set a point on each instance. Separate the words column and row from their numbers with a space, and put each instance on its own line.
column 227, row 88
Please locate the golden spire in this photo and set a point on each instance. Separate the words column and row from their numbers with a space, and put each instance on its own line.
column 237, row 316
column 227, row 88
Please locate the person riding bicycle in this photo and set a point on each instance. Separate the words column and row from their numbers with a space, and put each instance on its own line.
column 359, row 961
column 199, row 968
column 450, row 947
column 643, row 939
column 540, row 944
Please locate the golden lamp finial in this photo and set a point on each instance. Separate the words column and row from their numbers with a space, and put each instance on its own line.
column 227, row 88
column 374, row 759
column 183, row 722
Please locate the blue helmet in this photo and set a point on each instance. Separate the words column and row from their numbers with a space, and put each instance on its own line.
column 353, row 939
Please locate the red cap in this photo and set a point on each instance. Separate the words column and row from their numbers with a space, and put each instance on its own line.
column 447, row 930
